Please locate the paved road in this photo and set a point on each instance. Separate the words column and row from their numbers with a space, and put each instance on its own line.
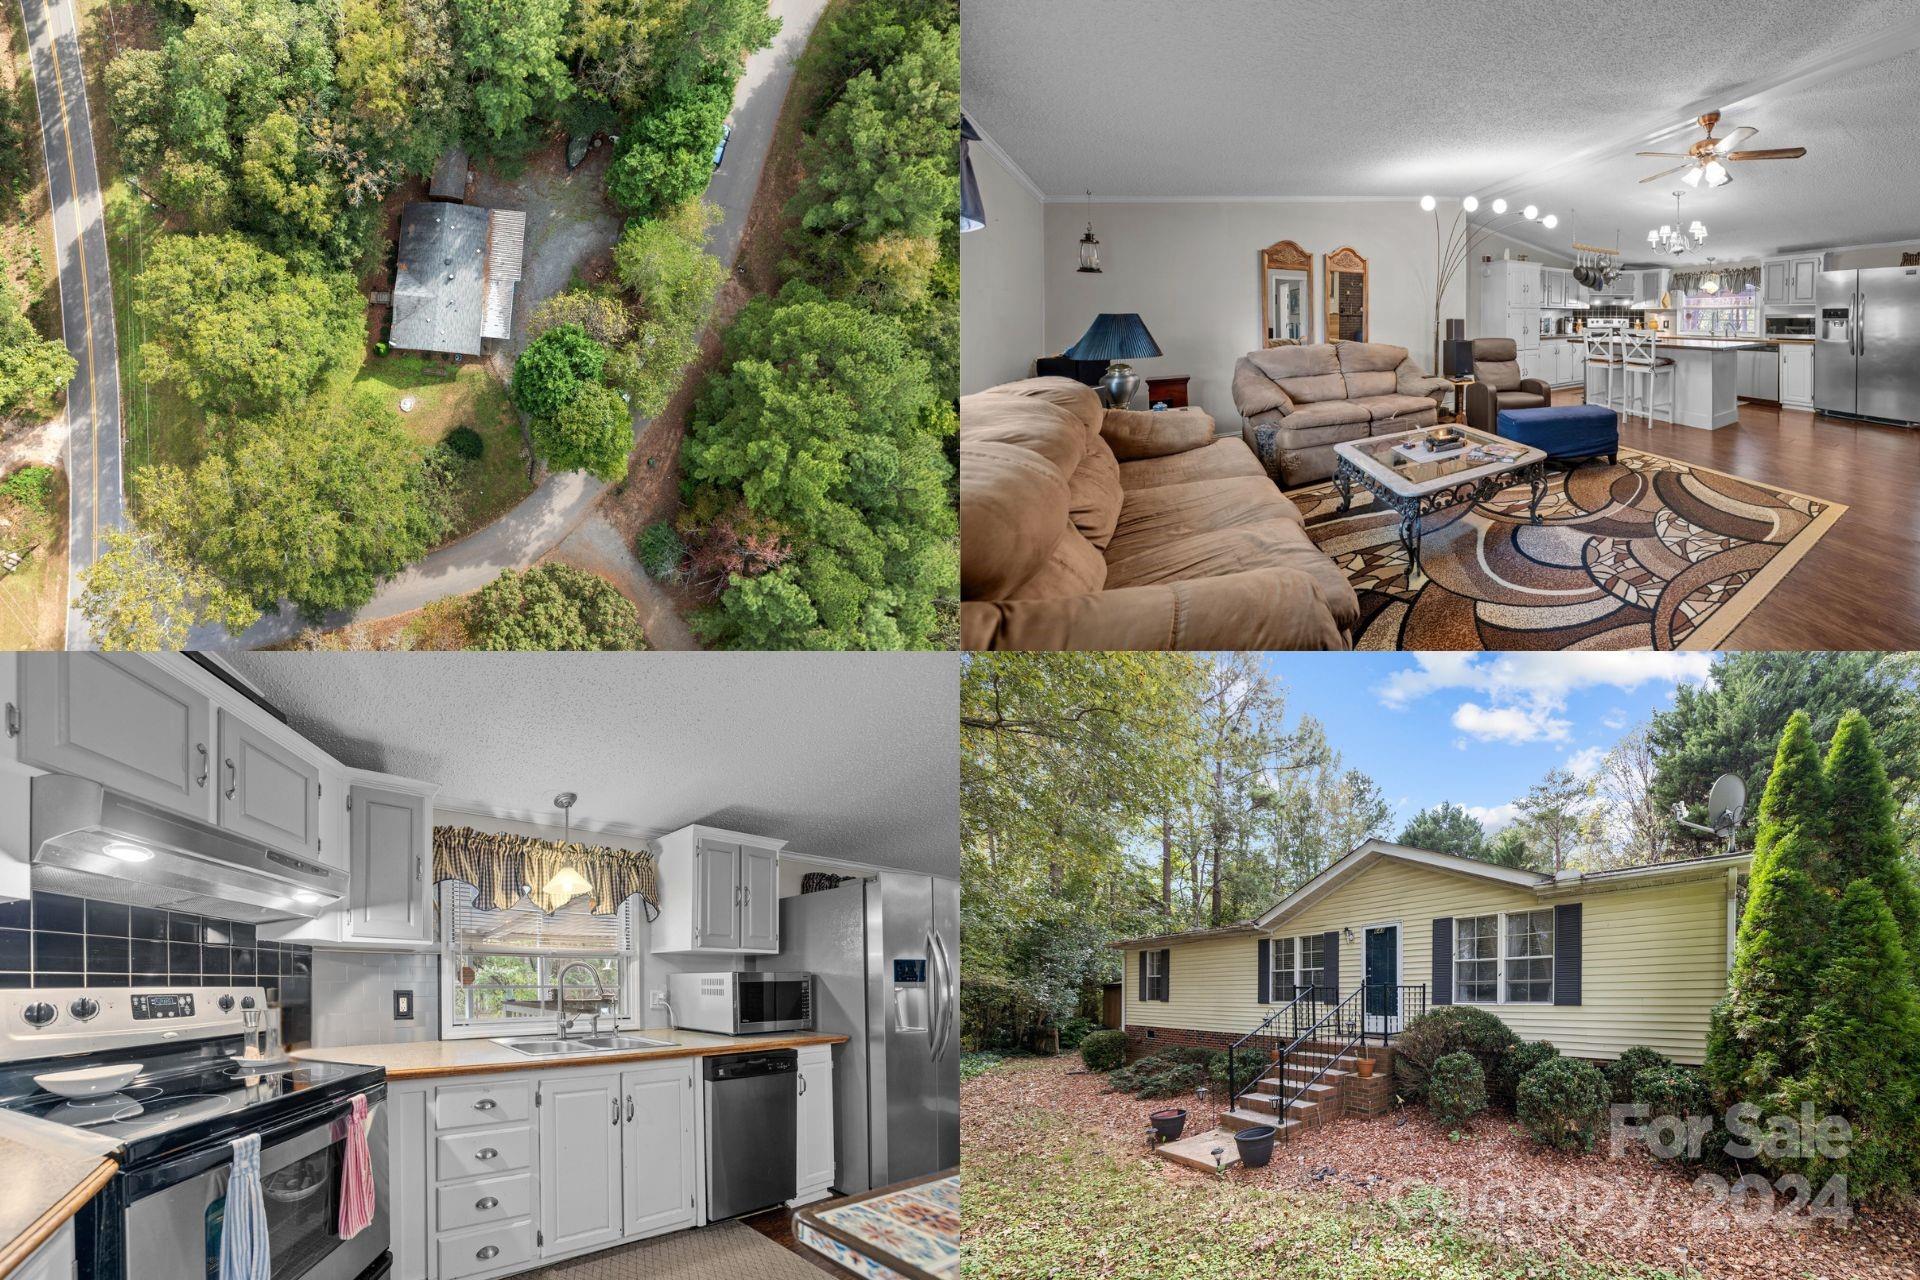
column 86, row 291
column 563, row 504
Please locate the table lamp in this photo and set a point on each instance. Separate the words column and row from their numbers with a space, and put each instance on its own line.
column 1115, row 337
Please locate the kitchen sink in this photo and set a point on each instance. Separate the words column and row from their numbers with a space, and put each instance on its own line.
column 549, row 1046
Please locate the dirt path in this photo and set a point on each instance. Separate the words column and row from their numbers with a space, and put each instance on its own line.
column 597, row 547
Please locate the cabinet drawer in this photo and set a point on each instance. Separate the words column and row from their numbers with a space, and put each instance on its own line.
column 468, row 1155
column 485, row 1249
column 490, row 1200
column 469, row 1106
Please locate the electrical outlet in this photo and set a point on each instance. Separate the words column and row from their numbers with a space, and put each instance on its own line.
column 403, row 1006
column 657, row 1000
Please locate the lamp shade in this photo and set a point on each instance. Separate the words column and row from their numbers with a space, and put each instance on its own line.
column 1114, row 336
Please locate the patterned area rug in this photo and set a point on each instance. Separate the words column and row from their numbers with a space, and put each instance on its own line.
column 724, row 1251
column 1648, row 553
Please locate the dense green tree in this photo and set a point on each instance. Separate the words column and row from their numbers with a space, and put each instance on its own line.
column 1866, row 838
column 664, row 264
column 143, row 595
column 554, row 368
column 869, row 35
column 237, row 331
column 1795, row 800
column 666, row 158
column 33, row 370
column 510, row 52
column 627, row 52
column 1510, row 849
column 823, row 422
column 314, row 505
column 398, row 79
column 1445, row 828
column 552, row 607
column 593, row 432
column 1550, row 816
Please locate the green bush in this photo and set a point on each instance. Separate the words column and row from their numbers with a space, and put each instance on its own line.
column 552, row 607
column 1454, row 1028
column 1623, row 1070
column 466, row 443
column 661, row 553
column 1525, row 1056
column 1104, row 1050
column 1563, row 1104
column 552, row 370
column 978, row 1064
column 1074, row 1030
column 29, row 486
column 1681, row 1093
column 1456, row 1089
column 1172, row 1072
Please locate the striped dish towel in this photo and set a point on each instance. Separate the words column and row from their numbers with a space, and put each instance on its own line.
column 356, row 1175
column 244, row 1252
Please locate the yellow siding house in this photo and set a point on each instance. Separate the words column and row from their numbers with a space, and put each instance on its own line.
column 1596, row 962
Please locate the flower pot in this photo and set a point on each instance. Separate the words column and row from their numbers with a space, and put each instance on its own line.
column 1168, row 1123
column 1256, row 1145
column 1363, row 1067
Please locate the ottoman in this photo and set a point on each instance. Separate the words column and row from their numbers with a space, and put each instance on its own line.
column 1564, row 431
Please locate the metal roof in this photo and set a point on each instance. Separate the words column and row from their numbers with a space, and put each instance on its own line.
column 450, row 176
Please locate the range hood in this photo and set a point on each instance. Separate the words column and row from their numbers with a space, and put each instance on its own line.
column 98, row 843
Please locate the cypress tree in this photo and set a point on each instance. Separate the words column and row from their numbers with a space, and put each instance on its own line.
column 1865, row 836
column 1796, row 796
column 1864, row 1049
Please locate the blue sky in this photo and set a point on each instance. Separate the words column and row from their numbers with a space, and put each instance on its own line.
column 1476, row 729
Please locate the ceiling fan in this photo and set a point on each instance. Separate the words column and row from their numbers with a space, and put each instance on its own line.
column 1703, row 158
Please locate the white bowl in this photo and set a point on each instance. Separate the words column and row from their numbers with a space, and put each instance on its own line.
column 84, row 1082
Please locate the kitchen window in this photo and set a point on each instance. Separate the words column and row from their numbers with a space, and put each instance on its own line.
column 1720, row 315
column 1476, row 960
column 501, row 970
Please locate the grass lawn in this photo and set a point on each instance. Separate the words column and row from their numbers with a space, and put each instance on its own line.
column 495, row 483
column 33, row 599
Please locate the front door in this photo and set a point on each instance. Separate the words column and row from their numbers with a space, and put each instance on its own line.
column 1382, row 1000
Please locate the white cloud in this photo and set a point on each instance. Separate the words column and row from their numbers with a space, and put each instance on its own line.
column 1585, row 762
column 1534, row 722
column 1541, row 675
column 1495, row 818
column 1616, row 719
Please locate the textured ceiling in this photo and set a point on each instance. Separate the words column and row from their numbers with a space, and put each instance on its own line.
column 1392, row 98
column 845, row 756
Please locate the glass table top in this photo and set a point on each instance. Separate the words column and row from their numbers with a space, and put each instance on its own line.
column 1404, row 460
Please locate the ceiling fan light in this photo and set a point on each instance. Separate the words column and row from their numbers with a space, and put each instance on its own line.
column 1427, row 204
column 1470, row 203
column 1716, row 174
column 1692, row 176
column 1550, row 221
column 1531, row 212
column 1499, row 206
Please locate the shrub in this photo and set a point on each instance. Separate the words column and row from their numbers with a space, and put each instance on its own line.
column 1104, row 1050
column 1622, row 1071
column 1456, row 1089
column 1074, row 1030
column 1451, row 1028
column 552, row 607
column 1563, row 1104
column 1682, row 1093
column 978, row 1064
column 1173, row 1071
column 466, row 443
column 1524, row 1057
column 31, row 485
column 661, row 552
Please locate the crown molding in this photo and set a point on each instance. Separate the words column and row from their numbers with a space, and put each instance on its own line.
column 1006, row 162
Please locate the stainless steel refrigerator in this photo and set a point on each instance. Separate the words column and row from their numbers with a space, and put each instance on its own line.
column 883, row 953
column 1866, row 352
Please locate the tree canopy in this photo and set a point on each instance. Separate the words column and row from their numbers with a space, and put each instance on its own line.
column 33, row 370
column 552, row 607
column 593, row 432
column 1446, row 828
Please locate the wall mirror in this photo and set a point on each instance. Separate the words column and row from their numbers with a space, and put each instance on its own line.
column 1286, row 295
column 1346, row 296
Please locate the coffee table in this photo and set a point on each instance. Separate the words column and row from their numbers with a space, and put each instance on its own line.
column 1418, row 487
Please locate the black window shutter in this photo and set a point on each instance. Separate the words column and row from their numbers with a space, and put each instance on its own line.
column 1166, row 974
column 1266, row 971
column 1566, row 953
column 1145, row 994
column 1331, row 954
column 1443, row 960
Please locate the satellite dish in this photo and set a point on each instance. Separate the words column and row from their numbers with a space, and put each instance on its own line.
column 1726, row 807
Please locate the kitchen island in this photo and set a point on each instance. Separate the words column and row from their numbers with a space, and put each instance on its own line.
column 1705, row 381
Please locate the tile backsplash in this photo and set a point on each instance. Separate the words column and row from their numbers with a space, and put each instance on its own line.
column 53, row 940
column 353, row 996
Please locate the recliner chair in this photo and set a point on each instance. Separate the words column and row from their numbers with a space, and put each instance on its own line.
column 1498, row 385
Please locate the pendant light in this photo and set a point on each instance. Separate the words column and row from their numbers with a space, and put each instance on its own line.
column 1089, row 244
column 567, row 884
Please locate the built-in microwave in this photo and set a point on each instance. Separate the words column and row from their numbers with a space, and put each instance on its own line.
column 1790, row 326
column 741, row 1004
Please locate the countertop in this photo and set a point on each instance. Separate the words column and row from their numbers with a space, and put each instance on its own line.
column 425, row 1059
column 1697, row 343
column 51, row 1172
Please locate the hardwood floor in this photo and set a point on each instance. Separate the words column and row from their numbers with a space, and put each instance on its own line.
column 777, row 1226
column 1859, row 588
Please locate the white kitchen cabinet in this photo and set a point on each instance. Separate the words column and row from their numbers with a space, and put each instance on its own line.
column 719, row 892
column 268, row 791
column 1796, row 375
column 580, row 1163
column 659, row 1156
column 1806, row 274
column 125, row 721
column 1789, row 281
column 1757, row 375
column 53, row 1260
column 813, row 1143
column 390, row 843
column 409, row 1181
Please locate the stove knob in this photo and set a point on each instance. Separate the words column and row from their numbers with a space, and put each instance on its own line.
column 246, row 1002
column 83, row 1008
column 226, row 1004
column 39, row 1014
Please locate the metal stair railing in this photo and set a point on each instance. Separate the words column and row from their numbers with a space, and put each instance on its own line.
column 1282, row 1026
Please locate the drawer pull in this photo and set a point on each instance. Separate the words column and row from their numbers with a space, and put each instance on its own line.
column 486, row 1202
column 491, row 1251
column 485, row 1153
column 485, row 1104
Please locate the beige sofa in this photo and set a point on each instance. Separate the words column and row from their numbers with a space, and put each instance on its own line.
column 1299, row 402
column 1085, row 528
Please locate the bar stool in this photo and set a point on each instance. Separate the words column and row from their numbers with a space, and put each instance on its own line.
column 1603, row 355
column 1641, row 368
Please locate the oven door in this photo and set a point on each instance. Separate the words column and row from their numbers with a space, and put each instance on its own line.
column 773, row 1002
column 174, row 1230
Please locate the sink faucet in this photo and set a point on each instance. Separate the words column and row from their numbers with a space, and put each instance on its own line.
column 560, row 996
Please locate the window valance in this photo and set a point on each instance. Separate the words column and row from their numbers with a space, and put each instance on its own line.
column 548, row 873
column 1732, row 279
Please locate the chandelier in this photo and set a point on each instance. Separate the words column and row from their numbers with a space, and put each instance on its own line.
column 1672, row 238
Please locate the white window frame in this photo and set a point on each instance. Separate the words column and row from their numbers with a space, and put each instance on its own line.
column 1300, row 954
column 1295, row 969
column 1156, row 976
column 631, row 1018
column 1502, row 956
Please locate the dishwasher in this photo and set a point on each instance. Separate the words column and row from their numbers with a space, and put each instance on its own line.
column 752, row 1114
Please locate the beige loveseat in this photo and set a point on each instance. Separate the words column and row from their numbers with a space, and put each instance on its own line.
column 1085, row 528
column 1299, row 402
